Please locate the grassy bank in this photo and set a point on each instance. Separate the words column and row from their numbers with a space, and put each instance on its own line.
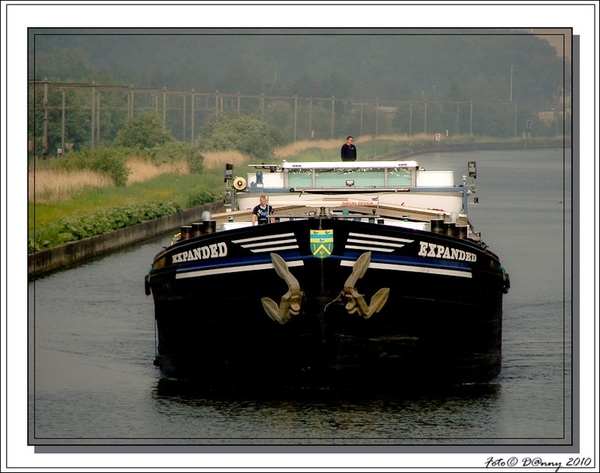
column 67, row 206
column 56, row 194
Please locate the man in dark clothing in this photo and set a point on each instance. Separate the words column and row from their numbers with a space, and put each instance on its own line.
column 261, row 213
column 349, row 150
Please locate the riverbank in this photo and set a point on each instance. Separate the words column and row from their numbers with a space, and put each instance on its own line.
column 62, row 257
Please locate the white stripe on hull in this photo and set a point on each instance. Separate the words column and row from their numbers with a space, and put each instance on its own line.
column 233, row 269
column 263, row 244
column 380, row 237
column 361, row 241
column 369, row 248
column 264, row 237
column 414, row 269
column 274, row 248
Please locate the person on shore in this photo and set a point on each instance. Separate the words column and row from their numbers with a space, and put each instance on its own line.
column 348, row 151
column 261, row 213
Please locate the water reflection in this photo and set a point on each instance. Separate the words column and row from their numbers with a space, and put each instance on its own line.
column 172, row 388
column 315, row 416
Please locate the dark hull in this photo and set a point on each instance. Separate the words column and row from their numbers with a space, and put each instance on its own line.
column 441, row 323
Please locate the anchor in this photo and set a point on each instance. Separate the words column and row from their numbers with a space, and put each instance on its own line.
column 291, row 301
column 356, row 302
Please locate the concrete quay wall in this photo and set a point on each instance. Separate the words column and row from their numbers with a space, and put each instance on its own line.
column 61, row 257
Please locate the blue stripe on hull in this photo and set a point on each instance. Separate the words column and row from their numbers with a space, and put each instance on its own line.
column 384, row 262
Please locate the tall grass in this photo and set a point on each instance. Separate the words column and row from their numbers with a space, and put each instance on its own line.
column 368, row 147
column 47, row 185
column 301, row 146
column 144, row 170
column 218, row 159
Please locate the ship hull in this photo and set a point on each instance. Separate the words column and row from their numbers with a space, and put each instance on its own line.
column 440, row 322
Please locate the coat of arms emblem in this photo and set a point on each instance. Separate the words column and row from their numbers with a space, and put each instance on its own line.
column 321, row 243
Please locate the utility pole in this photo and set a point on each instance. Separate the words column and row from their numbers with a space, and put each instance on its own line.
column 193, row 112
column 332, row 116
column 93, row 116
column 376, row 117
column 511, row 83
column 295, row 117
column 164, row 94
column 45, row 138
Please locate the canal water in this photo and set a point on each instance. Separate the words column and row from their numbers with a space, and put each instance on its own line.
column 92, row 382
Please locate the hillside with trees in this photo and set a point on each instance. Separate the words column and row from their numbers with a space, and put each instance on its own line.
column 351, row 64
column 309, row 84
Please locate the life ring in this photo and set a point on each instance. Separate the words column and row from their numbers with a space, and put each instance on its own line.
column 239, row 183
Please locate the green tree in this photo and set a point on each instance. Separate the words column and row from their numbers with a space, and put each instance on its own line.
column 109, row 161
column 248, row 135
column 61, row 63
column 143, row 131
column 179, row 151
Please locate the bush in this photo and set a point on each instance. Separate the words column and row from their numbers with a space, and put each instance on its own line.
column 203, row 197
column 143, row 131
column 248, row 135
column 179, row 151
column 109, row 161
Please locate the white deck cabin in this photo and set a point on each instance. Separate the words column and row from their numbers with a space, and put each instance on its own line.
column 353, row 183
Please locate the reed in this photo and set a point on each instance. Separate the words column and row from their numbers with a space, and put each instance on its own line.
column 142, row 170
column 299, row 147
column 218, row 159
column 48, row 186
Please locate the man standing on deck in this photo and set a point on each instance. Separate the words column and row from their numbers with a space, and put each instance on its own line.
column 261, row 213
column 349, row 150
